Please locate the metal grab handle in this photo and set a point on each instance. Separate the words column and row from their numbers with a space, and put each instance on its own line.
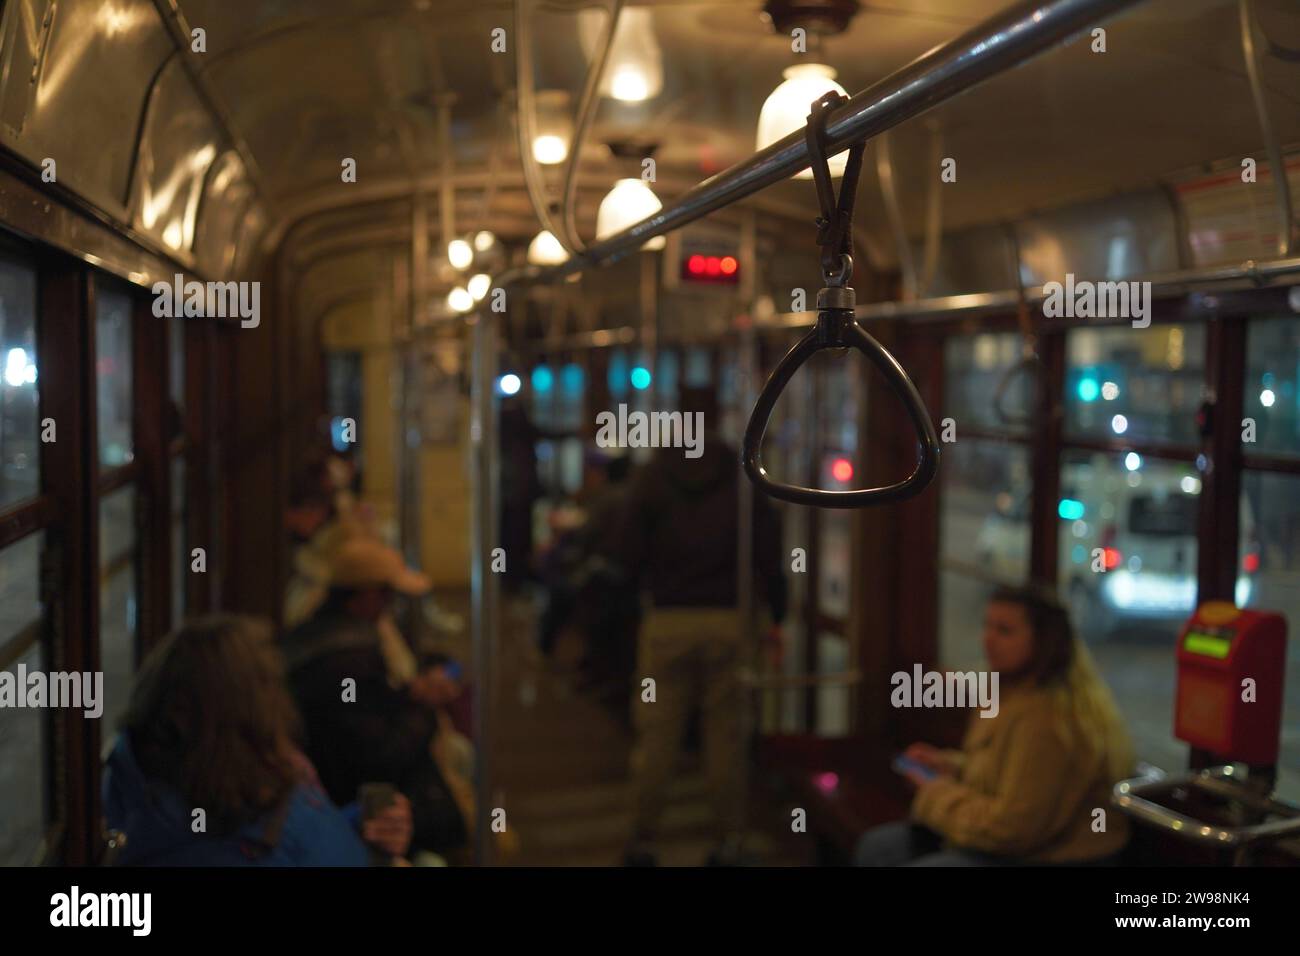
column 1131, row 796
column 1030, row 363
column 836, row 328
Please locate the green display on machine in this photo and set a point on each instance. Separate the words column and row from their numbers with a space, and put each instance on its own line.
column 1208, row 645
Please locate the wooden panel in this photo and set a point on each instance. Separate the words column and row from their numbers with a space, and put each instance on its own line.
column 153, row 490
column 68, row 469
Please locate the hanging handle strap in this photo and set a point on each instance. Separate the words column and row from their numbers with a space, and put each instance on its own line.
column 1030, row 363
column 837, row 328
column 835, row 224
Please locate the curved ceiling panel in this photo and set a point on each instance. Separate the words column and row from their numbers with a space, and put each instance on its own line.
column 178, row 144
column 77, row 73
column 248, row 245
column 221, row 213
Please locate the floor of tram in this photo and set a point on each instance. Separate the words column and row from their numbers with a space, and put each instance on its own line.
column 560, row 768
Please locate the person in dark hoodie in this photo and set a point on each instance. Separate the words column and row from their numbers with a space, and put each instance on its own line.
column 205, row 771
column 678, row 538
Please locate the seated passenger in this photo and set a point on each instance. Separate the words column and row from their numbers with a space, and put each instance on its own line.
column 1028, row 783
column 360, row 727
column 210, row 728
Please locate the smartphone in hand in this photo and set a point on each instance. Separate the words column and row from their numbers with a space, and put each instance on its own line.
column 904, row 765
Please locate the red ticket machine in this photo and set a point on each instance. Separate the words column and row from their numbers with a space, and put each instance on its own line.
column 1228, row 706
column 1231, row 664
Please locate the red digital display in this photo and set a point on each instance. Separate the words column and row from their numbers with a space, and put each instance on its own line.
column 722, row 270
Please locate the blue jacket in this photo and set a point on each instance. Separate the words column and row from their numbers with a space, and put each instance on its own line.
column 156, row 821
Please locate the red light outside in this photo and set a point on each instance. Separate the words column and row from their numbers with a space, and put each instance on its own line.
column 842, row 469
column 728, row 265
column 695, row 265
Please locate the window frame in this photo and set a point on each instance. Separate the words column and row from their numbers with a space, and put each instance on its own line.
column 1227, row 317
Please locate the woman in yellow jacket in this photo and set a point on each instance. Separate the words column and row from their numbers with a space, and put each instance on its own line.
column 1031, row 784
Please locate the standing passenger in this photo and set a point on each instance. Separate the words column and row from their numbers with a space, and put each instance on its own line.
column 679, row 539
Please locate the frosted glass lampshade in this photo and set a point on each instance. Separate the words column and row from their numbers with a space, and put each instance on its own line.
column 630, row 201
column 635, row 69
column 545, row 250
column 787, row 108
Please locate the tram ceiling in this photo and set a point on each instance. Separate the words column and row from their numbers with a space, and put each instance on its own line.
column 310, row 83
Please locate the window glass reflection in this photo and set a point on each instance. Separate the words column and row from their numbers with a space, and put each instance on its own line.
column 1138, row 384
column 20, row 475
column 1272, row 396
column 117, row 604
column 975, row 366
column 113, row 374
column 1127, row 543
column 24, row 742
column 983, row 537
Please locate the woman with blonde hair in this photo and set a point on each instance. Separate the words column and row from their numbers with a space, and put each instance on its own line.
column 205, row 771
column 1031, row 784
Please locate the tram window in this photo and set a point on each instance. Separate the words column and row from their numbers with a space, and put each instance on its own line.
column 1135, row 384
column 699, row 367
column 1128, row 543
column 23, row 731
column 835, row 562
column 834, row 717
column 23, row 786
column 343, row 381
column 1127, row 566
column 180, row 554
column 668, row 374
column 20, row 598
column 572, row 385
column 1268, row 577
column 20, row 475
column 985, row 503
column 117, row 602
column 619, row 375
column 1272, row 397
column 839, row 376
column 113, row 376
column 974, row 367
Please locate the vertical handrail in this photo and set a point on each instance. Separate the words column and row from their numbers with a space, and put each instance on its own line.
column 484, row 492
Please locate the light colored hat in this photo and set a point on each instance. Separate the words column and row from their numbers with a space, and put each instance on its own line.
column 365, row 562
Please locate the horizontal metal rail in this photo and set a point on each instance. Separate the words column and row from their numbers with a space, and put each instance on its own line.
column 1006, row 40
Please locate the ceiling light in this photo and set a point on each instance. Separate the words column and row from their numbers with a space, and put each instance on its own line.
column 635, row 69
column 460, row 254
column 629, row 202
column 459, row 299
column 553, row 128
column 484, row 240
column 787, row 108
column 550, row 150
column 479, row 285
column 545, row 250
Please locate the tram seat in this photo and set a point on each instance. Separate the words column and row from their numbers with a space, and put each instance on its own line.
column 845, row 785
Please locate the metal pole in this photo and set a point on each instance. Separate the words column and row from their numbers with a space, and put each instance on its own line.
column 751, row 706
column 1008, row 39
column 483, row 583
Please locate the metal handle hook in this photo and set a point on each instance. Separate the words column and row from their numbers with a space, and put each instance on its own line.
column 836, row 328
